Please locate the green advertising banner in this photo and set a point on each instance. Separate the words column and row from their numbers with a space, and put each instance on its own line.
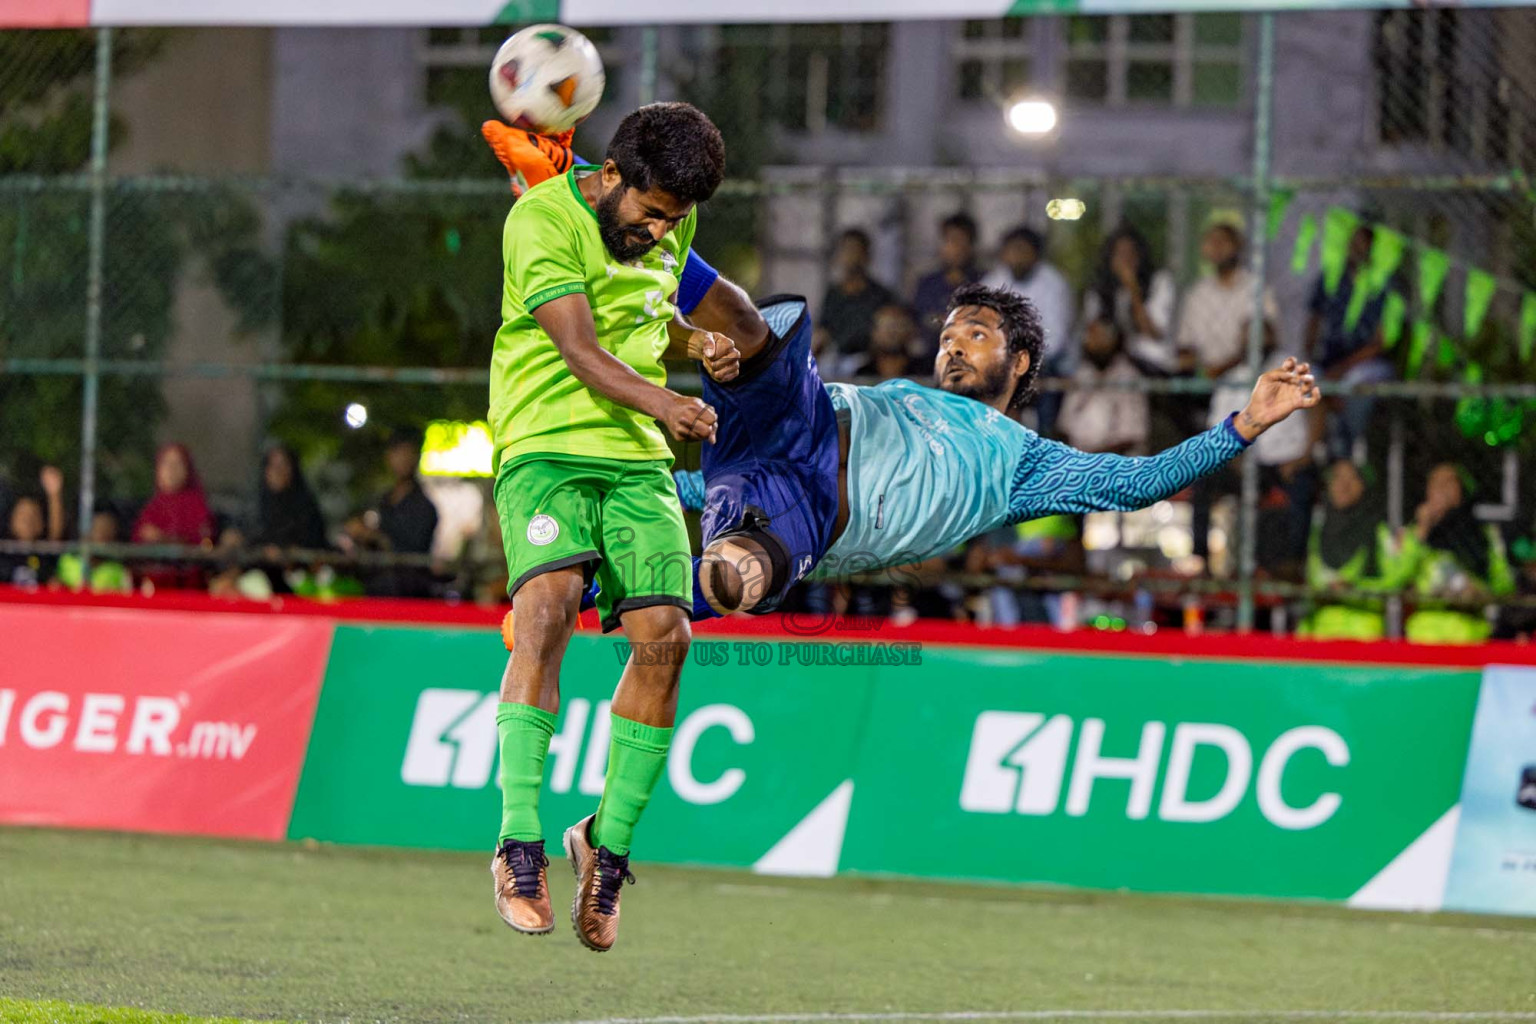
column 1148, row 773
column 403, row 750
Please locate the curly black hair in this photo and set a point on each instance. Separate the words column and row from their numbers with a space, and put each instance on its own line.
column 1021, row 326
column 671, row 146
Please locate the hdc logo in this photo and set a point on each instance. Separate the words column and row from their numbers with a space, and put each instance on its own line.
column 1018, row 762
column 453, row 743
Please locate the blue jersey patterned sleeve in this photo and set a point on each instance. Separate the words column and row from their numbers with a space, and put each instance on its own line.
column 690, row 489
column 1052, row 478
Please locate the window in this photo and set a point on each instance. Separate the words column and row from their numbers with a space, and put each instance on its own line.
column 993, row 59
column 813, row 77
column 1181, row 60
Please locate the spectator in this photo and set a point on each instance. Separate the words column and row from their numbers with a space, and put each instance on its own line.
column 890, row 345
column 957, row 266
column 1138, row 298
column 177, row 514
column 849, row 307
column 26, row 525
column 287, row 514
column 1095, row 418
column 1024, row 271
column 1454, row 557
column 1351, row 353
column 1351, row 546
column 404, row 523
column 1052, row 545
column 1213, row 336
column 107, row 576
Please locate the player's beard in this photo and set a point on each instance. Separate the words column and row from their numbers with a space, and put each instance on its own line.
column 621, row 242
column 983, row 385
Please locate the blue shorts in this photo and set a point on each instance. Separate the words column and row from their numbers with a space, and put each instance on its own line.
column 772, row 471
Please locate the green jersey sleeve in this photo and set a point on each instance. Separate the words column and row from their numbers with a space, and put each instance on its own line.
column 543, row 254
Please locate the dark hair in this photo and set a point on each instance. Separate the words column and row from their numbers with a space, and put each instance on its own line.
column 1105, row 283
column 960, row 222
column 670, row 146
column 1021, row 327
column 407, row 436
column 857, row 235
column 1025, row 233
column 1232, row 231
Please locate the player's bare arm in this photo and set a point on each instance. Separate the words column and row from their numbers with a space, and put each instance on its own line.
column 569, row 324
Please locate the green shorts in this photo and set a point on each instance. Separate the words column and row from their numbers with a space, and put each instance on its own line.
column 617, row 519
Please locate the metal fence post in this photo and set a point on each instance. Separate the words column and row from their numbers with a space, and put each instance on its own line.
column 1258, row 244
column 649, row 45
column 97, row 239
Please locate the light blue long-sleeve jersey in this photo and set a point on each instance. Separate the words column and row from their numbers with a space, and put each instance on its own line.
column 928, row 470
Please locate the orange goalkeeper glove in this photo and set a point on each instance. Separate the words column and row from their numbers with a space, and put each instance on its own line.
column 528, row 158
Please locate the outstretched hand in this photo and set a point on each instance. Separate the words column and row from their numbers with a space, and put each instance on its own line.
column 528, row 158
column 1278, row 393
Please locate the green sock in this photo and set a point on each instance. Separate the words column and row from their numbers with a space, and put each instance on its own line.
column 637, row 753
column 525, row 732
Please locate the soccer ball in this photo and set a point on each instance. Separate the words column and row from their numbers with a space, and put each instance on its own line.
column 547, row 79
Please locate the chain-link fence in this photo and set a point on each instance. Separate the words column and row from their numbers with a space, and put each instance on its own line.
column 226, row 238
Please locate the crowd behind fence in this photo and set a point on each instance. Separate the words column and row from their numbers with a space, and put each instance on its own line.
column 1404, row 506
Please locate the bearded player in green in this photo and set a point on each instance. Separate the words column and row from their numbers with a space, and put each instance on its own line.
column 583, row 482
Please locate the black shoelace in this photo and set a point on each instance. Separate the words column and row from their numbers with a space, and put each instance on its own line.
column 525, row 861
column 612, row 874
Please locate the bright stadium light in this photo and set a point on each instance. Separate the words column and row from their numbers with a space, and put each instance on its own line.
column 356, row 415
column 1032, row 117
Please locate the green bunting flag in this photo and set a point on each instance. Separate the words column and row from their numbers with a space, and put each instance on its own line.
column 1527, row 326
column 1392, row 314
column 1306, row 235
column 1357, row 296
column 1433, row 265
column 1386, row 253
column 1481, row 286
column 1338, row 226
column 1418, row 347
column 1445, row 358
column 1279, row 203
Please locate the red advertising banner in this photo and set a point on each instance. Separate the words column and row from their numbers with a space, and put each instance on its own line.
column 156, row 721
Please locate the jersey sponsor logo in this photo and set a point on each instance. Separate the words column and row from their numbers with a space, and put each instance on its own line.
column 1018, row 764
column 542, row 530
column 453, row 742
column 668, row 262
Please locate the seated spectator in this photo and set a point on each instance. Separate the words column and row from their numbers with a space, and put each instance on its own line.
column 957, row 266
column 26, row 525
column 1352, row 353
column 404, row 523
column 287, row 514
column 1099, row 419
column 1454, row 557
column 177, row 514
column 1351, row 547
column 848, row 309
column 1213, row 336
column 1024, row 271
column 1052, row 546
column 890, row 345
column 1128, row 290
column 107, row 576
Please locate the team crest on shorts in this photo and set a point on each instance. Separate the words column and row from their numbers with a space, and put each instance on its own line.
column 542, row 530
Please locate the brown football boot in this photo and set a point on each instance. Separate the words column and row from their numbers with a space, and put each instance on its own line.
column 522, row 887
column 600, row 873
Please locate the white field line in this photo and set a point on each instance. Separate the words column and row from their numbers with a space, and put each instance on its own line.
column 1077, row 1015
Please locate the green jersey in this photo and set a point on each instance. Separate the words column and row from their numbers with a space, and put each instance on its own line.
column 551, row 247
